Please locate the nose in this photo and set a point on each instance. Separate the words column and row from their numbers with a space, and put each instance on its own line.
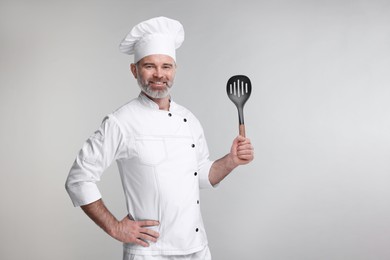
column 158, row 73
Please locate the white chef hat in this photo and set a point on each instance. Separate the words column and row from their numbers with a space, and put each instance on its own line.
column 158, row 35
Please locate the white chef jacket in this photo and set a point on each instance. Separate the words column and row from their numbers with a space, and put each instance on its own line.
column 162, row 158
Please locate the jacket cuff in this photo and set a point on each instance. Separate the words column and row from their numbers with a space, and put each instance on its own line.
column 83, row 194
column 204, row 182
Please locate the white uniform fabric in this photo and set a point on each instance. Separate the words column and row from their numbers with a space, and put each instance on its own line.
column 162, row 158
column 201, row 255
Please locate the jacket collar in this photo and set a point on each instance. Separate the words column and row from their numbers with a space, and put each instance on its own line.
column 144, row 100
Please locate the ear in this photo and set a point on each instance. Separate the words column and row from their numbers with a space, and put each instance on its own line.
column 133, row 69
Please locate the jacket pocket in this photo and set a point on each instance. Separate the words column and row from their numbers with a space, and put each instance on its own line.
column 151, row 151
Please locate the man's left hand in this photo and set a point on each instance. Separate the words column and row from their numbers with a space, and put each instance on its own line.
column 242, row 151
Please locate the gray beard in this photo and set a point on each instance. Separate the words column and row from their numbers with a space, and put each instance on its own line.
column 154, row 93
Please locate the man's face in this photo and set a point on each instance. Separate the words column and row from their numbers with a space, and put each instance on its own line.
column 155, row 75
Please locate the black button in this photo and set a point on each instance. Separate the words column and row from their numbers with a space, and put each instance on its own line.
column 192, row 145
column 185, row 120
column 197, row 229
column 169, row 114
column 195, row 173
column 197, row 202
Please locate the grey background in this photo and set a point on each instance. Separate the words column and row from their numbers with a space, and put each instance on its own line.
column 319, row 187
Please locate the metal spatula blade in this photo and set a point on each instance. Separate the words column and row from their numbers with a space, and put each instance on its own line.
column 239, row 89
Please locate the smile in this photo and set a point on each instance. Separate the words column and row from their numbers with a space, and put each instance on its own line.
column 158, row 83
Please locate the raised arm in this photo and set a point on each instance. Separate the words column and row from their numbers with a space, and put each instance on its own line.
column 241, row 153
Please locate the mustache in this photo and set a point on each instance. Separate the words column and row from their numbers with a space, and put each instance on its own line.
column 147, row 89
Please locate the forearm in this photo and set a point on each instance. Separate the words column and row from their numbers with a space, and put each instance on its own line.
column 221, row 168
column 241, row 153
column 98, row 212
column 126, row 230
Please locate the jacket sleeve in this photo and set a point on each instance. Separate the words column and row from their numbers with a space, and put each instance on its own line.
column 96, row 155
column 204, row 163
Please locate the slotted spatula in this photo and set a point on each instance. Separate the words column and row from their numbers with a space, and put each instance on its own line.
column 239, row 89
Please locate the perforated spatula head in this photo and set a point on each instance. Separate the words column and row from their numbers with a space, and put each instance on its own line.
column 239, row 89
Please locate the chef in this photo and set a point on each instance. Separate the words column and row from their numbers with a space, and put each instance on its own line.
column 162, row 156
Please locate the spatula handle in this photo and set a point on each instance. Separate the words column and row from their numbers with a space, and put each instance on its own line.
column 242, row 130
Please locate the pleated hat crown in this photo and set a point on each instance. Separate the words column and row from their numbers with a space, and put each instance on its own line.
column 158, row 35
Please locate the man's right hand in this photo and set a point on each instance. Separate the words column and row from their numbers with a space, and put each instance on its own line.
column 136, row 232
column 126, row 230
